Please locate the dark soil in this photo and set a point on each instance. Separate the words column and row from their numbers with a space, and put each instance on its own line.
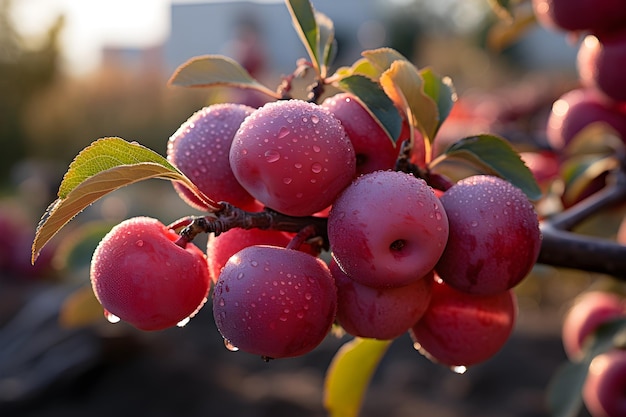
column 113, row 370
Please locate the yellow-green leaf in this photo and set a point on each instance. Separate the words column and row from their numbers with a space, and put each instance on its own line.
column 216, row 70
column 382, row 58
column 105, row 166
column 405, row 86
column 349, row 374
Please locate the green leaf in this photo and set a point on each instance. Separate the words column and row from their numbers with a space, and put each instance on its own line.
column 403, row 83
column 376, row 102
column 216, row 70
column 105, row 166
column 327, row 46
column 304, row 22
column 441, row 91
column 349, row 374
column 494, row 156
column 564, row 390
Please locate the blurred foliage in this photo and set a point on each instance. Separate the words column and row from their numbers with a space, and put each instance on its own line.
column 46, row 115
column 24, row 72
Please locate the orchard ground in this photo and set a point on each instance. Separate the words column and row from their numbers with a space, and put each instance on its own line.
column 113, row 369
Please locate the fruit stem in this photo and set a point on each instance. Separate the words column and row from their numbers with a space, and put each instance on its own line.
column 304, row 234
column 229, row 217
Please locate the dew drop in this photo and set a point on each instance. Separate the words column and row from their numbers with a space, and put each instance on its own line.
column 240, row 275
column 283, row 132
column 221, row 302
column 316, row 168
column 298, row 165
column 183, row 322
column 438, row 215
column 287, row 180
column 474, row 223
column 272, row 155
column 315, row 119
column 139, row 243
column 112, row 318
column 460, row 369
column 300, row 315
column 254, row 263
column 316, row 149
column 282, row 318
column 228, row 344
column 308, row 296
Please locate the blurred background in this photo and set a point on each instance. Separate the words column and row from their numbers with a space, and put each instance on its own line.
column 73, row 71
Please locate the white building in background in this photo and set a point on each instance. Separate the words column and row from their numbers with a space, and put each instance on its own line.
column 212, row 26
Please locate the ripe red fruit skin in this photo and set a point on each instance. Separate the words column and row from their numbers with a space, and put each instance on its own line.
column 577, row 109
column 494, row 238
column 387, row 229
column 293, row 156
column 274, row 302
column 604, row 388
column 589, row 311
column 379, row 313
column 581, row 15
column 140, row 275
column 600, row 63
column 374, row 149
column 460, row 329
column 200, row 149
column 222, row 247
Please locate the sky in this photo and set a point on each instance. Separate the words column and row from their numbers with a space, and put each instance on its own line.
column 91, row 24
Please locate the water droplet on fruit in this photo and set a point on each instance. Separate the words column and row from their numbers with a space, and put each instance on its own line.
column 283, row 132
column 240, row 275
column 460, row 369
column 316, row 168
column 112, row 318
column 221, row 302
column 183, row 322
column 254, row 263
column 316, row 148
column 474, row 223
column 229, row 345
column 438, row 215
column 287, row 180
column 282, row 317
column 139, row 243
column 272, row 155
column 308, row 296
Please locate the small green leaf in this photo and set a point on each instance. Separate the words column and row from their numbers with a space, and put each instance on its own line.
column 564, row 390
column 216, row 70
column 441, row 90
column 494, row 156
column 304, row 22
column 403, row 83
column 105, row 166
column 327, row 44
column 376, row 102
column 349, row 374
column 360, row 67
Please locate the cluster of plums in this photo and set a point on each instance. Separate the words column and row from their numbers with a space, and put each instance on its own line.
column 605, row 384
column 403, row 257
column 601, row 96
